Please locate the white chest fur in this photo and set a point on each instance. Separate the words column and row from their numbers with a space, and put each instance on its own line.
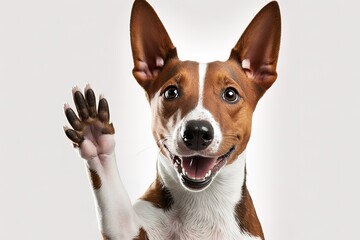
column 200, row 215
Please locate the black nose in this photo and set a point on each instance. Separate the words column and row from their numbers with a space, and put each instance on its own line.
column 198, row 135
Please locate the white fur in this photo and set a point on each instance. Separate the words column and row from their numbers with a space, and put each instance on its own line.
column 116, row 216
column 198, row 113
column 245, row 63
column 202, row 75
column 193, row 216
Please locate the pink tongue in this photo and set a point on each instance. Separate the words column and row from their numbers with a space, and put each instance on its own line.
column 197, row 167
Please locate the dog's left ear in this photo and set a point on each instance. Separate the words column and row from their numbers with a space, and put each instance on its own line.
column 258, row 48
column 150, row 43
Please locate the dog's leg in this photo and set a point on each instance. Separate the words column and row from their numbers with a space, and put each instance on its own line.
column 92, row 133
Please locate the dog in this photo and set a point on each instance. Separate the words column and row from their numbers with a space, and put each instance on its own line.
column 201, row 122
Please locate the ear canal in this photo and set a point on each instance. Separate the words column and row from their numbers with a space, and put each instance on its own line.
column 150, row 43
column 258, row 48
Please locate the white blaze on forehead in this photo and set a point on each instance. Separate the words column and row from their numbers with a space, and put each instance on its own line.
column 202, row 74
column 199, row 113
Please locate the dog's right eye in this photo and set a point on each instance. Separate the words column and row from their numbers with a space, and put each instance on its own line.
column 171, row 93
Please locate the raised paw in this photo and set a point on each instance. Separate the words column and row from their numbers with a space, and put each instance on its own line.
column 91, row 130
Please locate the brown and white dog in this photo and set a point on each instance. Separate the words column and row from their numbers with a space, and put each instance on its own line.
column 201, row 122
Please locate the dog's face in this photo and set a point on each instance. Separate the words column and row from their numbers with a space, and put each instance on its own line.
column 202, row 112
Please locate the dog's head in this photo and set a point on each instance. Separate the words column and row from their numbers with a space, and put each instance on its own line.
column 202, row 112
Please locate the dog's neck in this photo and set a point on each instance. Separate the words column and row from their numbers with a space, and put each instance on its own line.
column 225, row 189
column 225, row 204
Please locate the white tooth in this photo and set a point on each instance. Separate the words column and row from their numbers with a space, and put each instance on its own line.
column 183, row 171
column 208, row 174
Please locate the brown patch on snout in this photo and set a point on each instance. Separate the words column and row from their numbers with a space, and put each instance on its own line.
column 95, row 179
column 168, row 112
column 235, row 117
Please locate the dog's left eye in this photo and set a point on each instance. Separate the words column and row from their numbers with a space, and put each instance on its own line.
column 171, row 92
column 231, row 95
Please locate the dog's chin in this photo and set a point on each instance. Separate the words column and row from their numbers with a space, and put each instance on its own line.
column 197, row 172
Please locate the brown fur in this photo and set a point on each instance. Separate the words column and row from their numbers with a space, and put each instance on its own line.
column 183, row 75
column 105, row 237
column 246, row 214
column 234, row 119
column 142, row 235
column 95, row 179
column 158, row 195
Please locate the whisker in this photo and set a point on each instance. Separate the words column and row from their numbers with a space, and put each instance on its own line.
column 230, row 136
column 146, row 149
column 161, row 143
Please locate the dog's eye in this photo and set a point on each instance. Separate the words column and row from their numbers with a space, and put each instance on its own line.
column 171, row 92
column 231, row 95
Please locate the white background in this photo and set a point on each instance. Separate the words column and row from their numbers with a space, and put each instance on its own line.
column 303, row 157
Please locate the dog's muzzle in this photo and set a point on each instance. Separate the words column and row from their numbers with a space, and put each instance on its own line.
column 197, row 172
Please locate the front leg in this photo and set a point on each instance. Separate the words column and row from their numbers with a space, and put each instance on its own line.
column 93, row 134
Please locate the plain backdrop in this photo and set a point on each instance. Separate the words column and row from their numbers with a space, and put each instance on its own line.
column 303, row 157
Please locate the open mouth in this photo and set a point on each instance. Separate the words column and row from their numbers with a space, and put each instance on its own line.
column 197, row 172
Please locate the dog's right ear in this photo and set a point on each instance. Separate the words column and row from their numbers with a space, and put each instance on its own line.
column 150, row 43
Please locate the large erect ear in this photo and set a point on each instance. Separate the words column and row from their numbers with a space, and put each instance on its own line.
column 258, row 48
column 150, row 43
